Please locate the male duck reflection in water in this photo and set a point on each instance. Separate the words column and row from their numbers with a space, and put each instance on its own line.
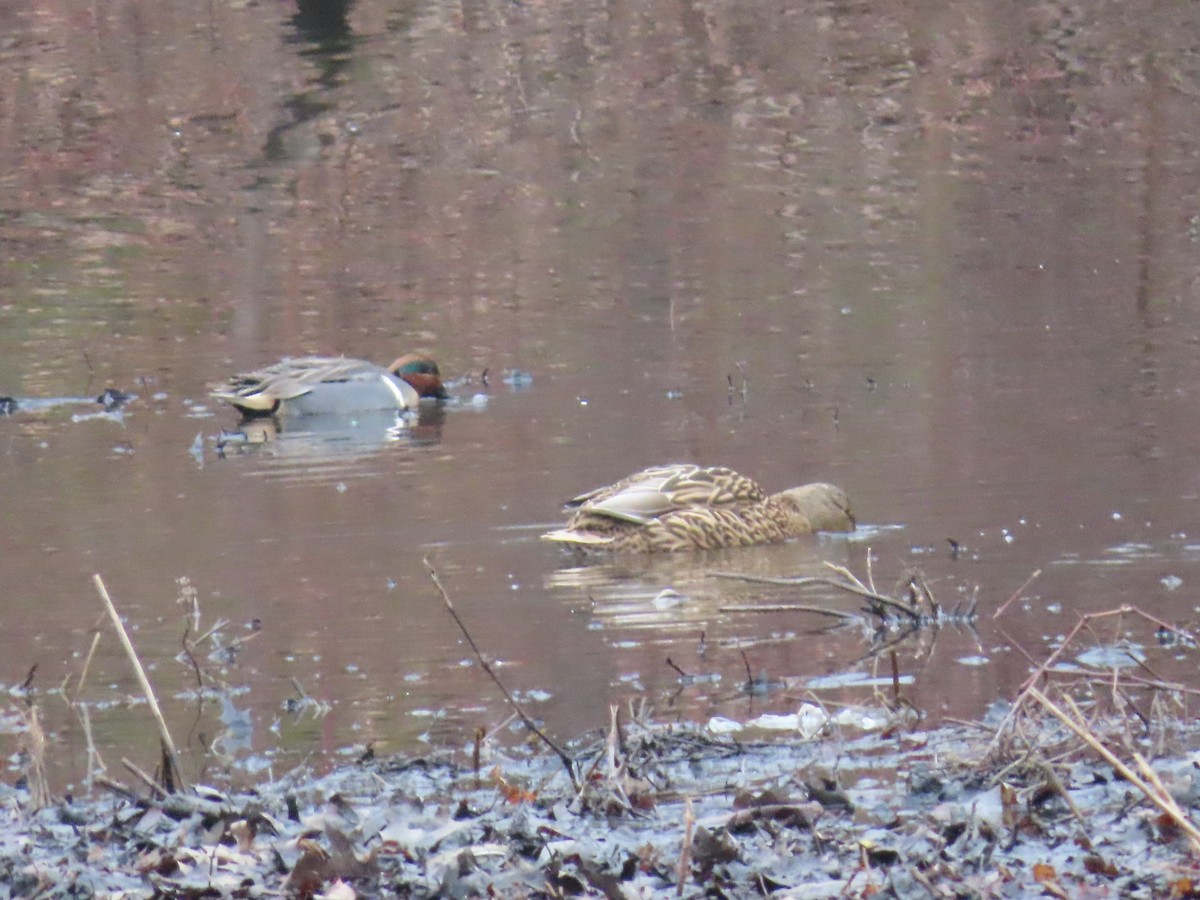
column 683, row 506
column 322, row 385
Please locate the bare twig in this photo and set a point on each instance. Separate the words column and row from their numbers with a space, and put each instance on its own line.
column 777, row 579
column 1015, row 594
column 1045, row 667
column 893, row 640
column 848, row 583
column 610, row 744
column 749, row 674
column 678, row 671
column 187, row 651
column 477, row 753
column 567, row 762
column 117, row 788
column 1049, row 661
column 1059, row 788
column 1135, row 681
column 164, row 734
column 144, row 777
column 213, row 629
column 300, row 689
column 792, row 607
column 850, row 577
column 895, row 678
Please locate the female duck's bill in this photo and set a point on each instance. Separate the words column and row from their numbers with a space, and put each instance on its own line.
column 684, row 506
column 321, row 385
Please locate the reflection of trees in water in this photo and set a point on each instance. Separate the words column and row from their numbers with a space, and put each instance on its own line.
column 321, row 21
column 322, row 34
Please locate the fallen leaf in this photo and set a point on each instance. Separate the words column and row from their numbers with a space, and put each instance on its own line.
column 1043, row 872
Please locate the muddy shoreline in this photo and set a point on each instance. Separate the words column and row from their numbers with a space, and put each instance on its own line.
column 1018, row 807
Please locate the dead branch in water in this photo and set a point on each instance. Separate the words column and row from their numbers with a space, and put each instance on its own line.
column 847, row 582
column 172, row 774
column 912, row 604
column 792, row 607
column 528, row 722
column 886, row 620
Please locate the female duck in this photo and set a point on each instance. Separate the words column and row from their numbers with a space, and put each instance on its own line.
column 315, row 385
column 679, row 507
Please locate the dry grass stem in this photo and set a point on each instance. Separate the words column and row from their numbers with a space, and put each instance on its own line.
column 144, row 777
column 685, row 851
column 35, row 772
column 95, row 764
column 1044, row 668
column 610, row 745
column 1015, row 594
column 1153, row 789
column 1047, row 770
column 164, row 735
column 87, row 663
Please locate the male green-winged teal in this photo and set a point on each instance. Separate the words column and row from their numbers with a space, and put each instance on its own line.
column 315, row 385
column 680, row 507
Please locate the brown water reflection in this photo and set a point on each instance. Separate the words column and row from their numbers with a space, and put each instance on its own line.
column 948, row 251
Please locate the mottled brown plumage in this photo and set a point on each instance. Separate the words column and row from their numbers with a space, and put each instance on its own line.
column 679, row 507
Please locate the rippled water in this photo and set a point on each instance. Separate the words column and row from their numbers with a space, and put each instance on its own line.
column 942, row 257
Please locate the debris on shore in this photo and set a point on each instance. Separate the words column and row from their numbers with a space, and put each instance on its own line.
column 1081, row 785
column 660, row 810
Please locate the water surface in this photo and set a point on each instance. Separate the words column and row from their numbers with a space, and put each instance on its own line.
column 942, row 256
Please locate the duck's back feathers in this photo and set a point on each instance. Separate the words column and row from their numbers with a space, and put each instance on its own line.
column 677, row 507
column 658, row 490
column 294, row 377
column 310, row 385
